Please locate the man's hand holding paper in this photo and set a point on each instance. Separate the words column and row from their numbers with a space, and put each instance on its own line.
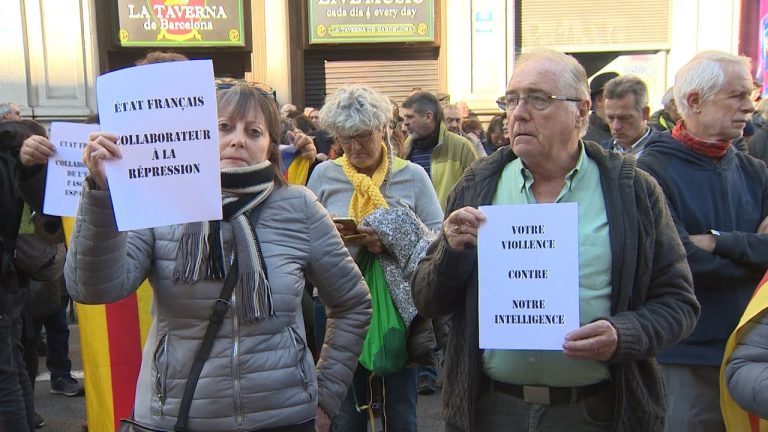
column 594, row 341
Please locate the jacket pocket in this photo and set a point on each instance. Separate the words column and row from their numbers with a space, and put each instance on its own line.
column 160, row 367
column 421, row 342
column 304, row 367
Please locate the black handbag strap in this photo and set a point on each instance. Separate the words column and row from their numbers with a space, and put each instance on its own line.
column 217, row 317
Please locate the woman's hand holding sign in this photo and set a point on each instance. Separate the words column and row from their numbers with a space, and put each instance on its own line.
column 101, row 146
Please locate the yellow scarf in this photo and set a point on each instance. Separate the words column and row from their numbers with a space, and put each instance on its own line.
column 367, row 196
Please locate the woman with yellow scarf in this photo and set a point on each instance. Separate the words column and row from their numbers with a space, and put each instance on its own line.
column 395, row 213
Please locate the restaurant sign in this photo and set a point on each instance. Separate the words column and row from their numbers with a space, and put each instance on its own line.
column 180, row 23
column 371, row 21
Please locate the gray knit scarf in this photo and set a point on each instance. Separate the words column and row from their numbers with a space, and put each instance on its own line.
column 201, row 253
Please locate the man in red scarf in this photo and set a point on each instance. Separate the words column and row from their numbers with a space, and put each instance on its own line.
column 718, row 197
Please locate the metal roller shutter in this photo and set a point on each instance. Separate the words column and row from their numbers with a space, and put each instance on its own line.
column 575, row 26
column 394, row 78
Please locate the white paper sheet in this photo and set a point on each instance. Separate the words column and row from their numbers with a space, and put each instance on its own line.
column 165, row 115
column 66, row 170
column 528, row 258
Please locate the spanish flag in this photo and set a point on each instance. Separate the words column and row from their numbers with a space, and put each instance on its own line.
column 111, row 337
column 737, row 419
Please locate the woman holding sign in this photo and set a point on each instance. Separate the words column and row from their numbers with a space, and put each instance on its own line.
column 391, row 212
column 259, row 374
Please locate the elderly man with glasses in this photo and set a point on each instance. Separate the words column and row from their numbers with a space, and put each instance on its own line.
column 635, row 289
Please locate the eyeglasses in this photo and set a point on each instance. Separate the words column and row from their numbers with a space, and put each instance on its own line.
column 362, row 138
column 262, row 89
column 539, row 102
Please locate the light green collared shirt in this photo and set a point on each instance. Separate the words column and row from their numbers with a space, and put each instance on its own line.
column 552, row 368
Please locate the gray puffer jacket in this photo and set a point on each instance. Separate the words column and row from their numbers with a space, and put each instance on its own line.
column 257, row 376
column 747, row 371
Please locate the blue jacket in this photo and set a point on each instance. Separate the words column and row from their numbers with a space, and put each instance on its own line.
column 731, row 197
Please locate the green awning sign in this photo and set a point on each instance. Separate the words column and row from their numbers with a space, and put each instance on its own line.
column 371, row 21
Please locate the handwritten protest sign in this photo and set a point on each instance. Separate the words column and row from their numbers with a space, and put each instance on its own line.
column 165, row 117
column 528, row 263
column 66, row 170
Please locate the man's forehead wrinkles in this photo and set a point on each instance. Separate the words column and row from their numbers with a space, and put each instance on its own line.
column 541, row 82
column 525, row 89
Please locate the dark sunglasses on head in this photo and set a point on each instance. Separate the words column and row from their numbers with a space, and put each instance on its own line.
column 261, row 88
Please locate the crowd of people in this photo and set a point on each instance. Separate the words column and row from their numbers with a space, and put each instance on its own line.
column 34, row 294
column 324, row 300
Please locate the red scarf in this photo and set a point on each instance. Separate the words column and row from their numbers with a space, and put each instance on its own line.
column 711, row 149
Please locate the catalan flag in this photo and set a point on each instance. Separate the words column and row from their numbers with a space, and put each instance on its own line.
column 736, row 419
column 298, row 170
column 112, row 338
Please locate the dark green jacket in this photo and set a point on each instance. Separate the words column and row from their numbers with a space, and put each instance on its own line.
column 660, row 121
column 652, row 302
column 598, row 131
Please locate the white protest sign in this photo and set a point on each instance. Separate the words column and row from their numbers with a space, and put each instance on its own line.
column 66, row 170
column 165, row 116
column 528, row 263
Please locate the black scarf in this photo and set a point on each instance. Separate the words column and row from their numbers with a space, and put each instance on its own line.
column 429, row 141
column 201, row 247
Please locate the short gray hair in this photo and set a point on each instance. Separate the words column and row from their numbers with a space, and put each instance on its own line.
column 450, row 107
column 624, row 85
column 704, row 74
column 668, row 97
column 423, row 102
column 5, row 108
column 573, row 81
column 762, row 109
column 353, row 109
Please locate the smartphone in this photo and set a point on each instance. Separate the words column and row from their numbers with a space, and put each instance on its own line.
column 349, row 232
column 349, row 224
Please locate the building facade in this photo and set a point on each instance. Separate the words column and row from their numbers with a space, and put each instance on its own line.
column 53, row 50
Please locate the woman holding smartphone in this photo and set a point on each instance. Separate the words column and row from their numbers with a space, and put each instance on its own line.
column 387, row 208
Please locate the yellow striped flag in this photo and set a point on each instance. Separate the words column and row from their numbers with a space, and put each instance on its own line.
column 737, row 419
column 298, row 171
column 111, row 338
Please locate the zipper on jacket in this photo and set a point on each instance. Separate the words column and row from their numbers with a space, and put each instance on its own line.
column 724, row 216
column 161, row 369
column 300, row 347
column 236, row 361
